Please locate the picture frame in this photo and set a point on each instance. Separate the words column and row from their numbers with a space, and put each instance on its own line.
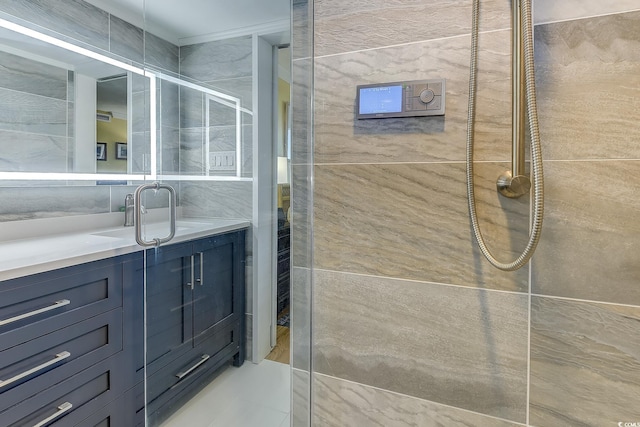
column 121, row 150
column 101, row 151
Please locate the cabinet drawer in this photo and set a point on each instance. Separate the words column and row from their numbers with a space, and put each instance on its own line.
column 71, row 401
column 119, row 413
column 185, row 369
column 36, row 305
column 40, row 363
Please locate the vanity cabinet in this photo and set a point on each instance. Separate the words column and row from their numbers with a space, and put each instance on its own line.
column 64, row 351
column 195, row 316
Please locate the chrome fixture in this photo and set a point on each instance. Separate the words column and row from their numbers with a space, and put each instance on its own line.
column 139, row 210
column 512, row 183
column 128, row 210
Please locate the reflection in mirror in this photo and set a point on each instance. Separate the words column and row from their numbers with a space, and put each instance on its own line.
column 112, row 125
column 54, row 90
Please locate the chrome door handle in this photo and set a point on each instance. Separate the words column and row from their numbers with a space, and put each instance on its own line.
column 59, row 357
column 55, row 305
column 183, row 374
column 138, row 213
column 200, row 280
column 61, row 410
column 190, row 284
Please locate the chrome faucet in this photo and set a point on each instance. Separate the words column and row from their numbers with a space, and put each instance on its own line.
column 128, row 210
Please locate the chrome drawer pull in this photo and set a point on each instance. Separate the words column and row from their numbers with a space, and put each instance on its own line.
column 183, row 374
column 55, row 305
column 61, row 410
column 59, row 357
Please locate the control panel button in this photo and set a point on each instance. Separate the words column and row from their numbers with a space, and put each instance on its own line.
column 418, row 105
column 436, row 104
column 426, row 96
column 436, row 88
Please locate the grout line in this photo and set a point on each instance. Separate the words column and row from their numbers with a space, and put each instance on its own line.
column 585, row 300
column 580, row 18
column 448, row 162
column 468, row 34
column 418, row 398
column 474, row 288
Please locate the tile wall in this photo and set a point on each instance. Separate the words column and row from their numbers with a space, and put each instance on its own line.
column 411, row 326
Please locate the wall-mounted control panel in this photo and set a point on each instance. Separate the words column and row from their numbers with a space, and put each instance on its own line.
column 401, row 99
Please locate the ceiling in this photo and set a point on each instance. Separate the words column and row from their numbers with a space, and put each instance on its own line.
column 193, row 21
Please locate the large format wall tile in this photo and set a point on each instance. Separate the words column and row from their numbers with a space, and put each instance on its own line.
column 339, row 403
column 588, row 82
column 217, row 60
column 24, row 75
column 411, row 221
column 30, row 152
column 30, row 203
column 301, row 281
column 24, row 112
column 217, row 199
column 590, row 243
column 363, row 24
column 553, row 10
column 453, row 345
column 585, row 363
column 339, row 137
column 74, row 18
column 126, row 39
column 161, row 53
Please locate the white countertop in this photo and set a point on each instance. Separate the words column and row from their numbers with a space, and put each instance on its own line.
column 38, row 254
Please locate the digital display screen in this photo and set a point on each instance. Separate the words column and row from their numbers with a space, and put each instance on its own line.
column 381, row 99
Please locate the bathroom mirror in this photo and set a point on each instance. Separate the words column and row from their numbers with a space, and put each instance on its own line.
column 70, row 111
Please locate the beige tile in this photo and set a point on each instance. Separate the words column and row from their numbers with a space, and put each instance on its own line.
column 588, row 81
column 453, row 345
column 339, row 403
column 553, row 10
column 411, row 221
column 590, row 243
column 585, row 364
column 301, row 318
column 300, row 398
column 375, row 23
column 340, row 138
column 301, row 214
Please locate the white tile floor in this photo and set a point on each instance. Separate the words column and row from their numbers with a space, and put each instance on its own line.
column 254, row 395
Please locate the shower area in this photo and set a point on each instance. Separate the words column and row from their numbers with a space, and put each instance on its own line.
column 397, row 317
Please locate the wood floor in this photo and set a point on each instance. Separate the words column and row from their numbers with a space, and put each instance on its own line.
column 281, row 352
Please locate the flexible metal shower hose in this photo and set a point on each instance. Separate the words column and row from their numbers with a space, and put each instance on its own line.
column 536, row 152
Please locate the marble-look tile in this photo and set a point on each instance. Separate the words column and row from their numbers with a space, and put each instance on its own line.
column 161, row 53
column 411, row 221
column 170, row 150
column 301, row 318
column 300, row 398
column 339, row 403
column 73, row 18
column 30, row 152
column 301, row 36
column 222, row 59
column 24, row 75
column 223, row 138
column 169, row 104
column 301, row 120
column 241, row 87
column 191, row 108
column 590, row 242
column 588, row 84
column 301, row 211
column 457, row 346
column 232, row 200
column 22, row 203
column 376, row 23
column 192, row 155
column 138, row 152
column 585, row 363
column 140, row 112
column 552, row 10
column 126, row 39
column 339, row 137
column 24, row 112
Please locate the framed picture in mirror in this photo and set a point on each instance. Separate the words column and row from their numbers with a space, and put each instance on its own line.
column 101, row 151
column 121, row 150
